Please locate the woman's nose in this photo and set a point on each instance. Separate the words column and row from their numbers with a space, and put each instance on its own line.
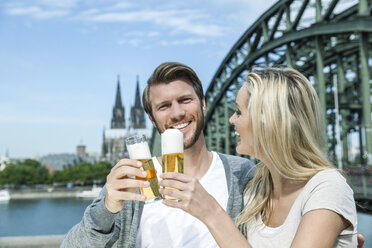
column 232, row 119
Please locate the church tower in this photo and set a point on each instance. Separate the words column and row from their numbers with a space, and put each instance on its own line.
column 137, row 113
column 118, row 112
column 113, row 147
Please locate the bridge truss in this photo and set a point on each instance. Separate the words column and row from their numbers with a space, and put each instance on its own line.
column 330, row 42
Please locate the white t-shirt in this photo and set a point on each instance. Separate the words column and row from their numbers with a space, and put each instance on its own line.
column 325, row 190
column 163, row 226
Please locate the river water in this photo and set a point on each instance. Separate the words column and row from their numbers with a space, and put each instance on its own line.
column 57, row 215
column 40, row 216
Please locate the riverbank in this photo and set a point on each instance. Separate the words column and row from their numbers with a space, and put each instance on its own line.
column 45, row 241
column 46, row 192
column 49, row 241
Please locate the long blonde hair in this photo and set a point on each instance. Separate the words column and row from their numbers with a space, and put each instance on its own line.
column 287, row 127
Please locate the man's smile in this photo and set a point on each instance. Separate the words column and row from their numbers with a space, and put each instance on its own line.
column 181, row 125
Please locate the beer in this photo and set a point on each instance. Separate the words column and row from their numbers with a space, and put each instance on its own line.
column 152, row 191
column 172, row 162
column 138, row 149
column 172, row 153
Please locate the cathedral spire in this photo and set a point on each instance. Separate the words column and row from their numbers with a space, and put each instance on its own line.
column 118, row 102
column 137, row 103
column 118, row 112
column 136, row 112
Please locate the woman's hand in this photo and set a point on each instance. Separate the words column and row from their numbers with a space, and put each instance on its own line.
column 194, row 199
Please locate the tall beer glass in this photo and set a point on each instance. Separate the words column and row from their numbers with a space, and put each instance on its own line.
column 139, row 149
column 172, row 153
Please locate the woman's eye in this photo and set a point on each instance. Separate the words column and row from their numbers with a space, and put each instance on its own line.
column 238, row 113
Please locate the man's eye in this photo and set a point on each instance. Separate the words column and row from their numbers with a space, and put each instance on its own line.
column 163, row 107
column 186, row 100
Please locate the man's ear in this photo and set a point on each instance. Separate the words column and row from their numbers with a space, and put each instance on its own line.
column 203, row 104
column 152, row 121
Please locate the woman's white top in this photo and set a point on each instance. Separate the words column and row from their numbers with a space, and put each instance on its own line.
column 327, row 189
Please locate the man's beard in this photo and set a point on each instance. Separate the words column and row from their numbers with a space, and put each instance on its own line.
column 198, row 130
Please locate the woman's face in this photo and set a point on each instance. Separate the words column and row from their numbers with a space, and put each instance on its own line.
column 242, row 122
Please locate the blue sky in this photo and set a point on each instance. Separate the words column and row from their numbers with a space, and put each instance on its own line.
column 59, row 61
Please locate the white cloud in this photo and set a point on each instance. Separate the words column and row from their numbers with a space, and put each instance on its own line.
column 141, row 34
column 153, row 34
column 136, row 38
column 89, row 12
column 173, row 20
column 247, row 12
column 65, row 4
column 188, row 41
column 122, row 16
column 254, row 5
column 189, row 21
column 37, row 13
column 132, row 42
column 89, row 29
column 120, row 5
column 135, row 33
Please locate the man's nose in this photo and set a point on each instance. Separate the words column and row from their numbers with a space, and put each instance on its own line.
column 177, row 111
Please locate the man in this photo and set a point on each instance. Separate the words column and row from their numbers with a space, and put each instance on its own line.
column 173, row 98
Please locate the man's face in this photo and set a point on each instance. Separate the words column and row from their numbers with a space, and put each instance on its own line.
column 176, row 105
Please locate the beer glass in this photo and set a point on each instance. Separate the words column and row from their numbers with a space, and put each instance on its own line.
column 139, row 149
column 172, row 153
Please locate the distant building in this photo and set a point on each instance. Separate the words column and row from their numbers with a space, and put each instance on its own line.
column 80, row 150
column 113, row 146
column 4, row 161
column 60, row 161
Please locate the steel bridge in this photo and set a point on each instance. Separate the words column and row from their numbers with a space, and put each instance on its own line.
column 330, row 42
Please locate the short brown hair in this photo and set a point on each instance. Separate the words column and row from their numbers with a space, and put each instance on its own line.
column 168, row 72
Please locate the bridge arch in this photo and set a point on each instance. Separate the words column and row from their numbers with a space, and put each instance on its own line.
column 329, row 41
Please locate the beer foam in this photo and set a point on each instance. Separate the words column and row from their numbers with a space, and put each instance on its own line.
column 139, row 151
column 171, row 141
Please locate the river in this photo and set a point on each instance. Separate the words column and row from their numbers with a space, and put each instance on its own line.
column 57, row 215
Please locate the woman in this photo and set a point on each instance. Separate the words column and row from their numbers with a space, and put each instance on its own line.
column 297, row 198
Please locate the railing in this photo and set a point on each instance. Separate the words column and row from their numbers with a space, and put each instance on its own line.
column 361, row 181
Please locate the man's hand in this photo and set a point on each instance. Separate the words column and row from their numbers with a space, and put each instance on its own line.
column 360, row 241
column 121, row 184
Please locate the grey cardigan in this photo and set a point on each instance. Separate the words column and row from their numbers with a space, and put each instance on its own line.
column 101, row 228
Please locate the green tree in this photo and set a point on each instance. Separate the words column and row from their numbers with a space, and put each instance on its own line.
column 82, row 172
column 101, row 170
column 29, row 172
